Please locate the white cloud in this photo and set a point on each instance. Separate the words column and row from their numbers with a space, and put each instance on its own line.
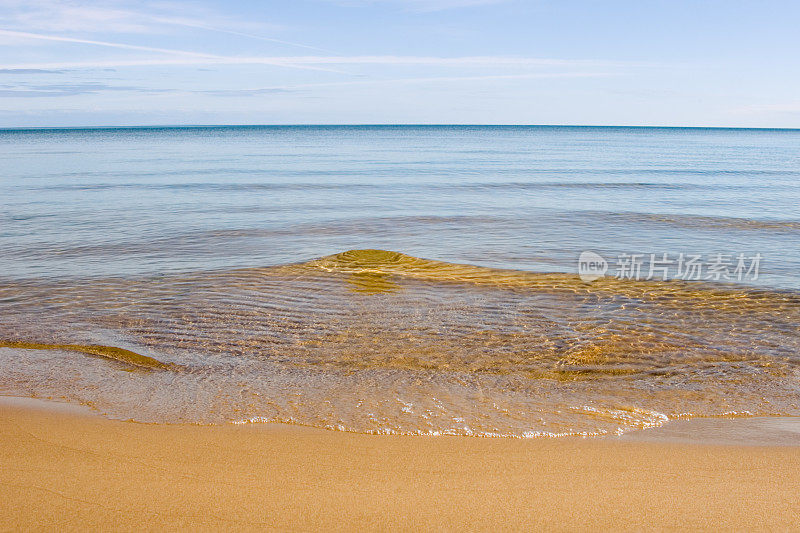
column 193, row 58
column 206, row 58
column 402, row 81
column 63, row 16
column 188, row 23
column 56, row 38
column 110, row 17
column 786, row 107
column 423, row 5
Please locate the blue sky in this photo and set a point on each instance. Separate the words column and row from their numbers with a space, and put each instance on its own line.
column 692, row 63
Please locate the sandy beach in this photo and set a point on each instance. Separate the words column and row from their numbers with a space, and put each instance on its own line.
column 63, row 468
column 399, row 265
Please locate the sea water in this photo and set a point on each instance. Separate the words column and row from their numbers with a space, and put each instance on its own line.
column 403, row 279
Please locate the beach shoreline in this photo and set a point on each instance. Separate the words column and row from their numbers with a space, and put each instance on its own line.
column 65, row 467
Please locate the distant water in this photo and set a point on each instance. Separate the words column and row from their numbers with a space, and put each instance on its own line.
column 245, row 271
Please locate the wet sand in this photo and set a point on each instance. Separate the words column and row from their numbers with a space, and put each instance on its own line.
column 63, row 468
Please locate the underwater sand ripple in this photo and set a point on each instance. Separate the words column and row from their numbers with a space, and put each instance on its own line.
column 380, row 341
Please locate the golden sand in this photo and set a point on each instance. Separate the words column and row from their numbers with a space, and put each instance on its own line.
column 64, row 470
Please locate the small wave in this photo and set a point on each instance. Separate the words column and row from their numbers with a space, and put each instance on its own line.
column 277, row 186
column 696, row 222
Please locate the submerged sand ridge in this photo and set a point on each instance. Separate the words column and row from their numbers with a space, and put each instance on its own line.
column 380, row 341
column 110, row 352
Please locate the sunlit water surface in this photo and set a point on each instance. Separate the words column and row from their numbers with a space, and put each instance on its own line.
column 219, row 275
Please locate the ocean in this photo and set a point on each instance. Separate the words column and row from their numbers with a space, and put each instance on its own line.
column 517, row 281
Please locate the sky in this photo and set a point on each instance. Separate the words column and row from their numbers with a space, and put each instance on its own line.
column 600, row 62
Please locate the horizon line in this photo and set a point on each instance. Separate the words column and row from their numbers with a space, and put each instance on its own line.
column 383, row 124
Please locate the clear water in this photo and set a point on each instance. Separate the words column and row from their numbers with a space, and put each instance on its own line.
column 198, row 247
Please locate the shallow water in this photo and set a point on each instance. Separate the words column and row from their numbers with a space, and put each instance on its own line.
column 169, row 275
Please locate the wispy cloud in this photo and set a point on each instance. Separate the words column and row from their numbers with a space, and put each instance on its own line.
column 114, row 16
column 65, row 89
column 790, row 108
column 190, row 24
column 64, row 16
column 464, row 61
column 57, row 38
column 238, row 93
column 207, row 58
column 29, row 71
column 422, row 5
column 400, row 81
column 90, row 18
column 192, row 58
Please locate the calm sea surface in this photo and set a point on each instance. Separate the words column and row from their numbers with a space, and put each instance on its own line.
column 403, row 279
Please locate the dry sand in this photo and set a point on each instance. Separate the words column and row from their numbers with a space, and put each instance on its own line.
column 60, row 469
